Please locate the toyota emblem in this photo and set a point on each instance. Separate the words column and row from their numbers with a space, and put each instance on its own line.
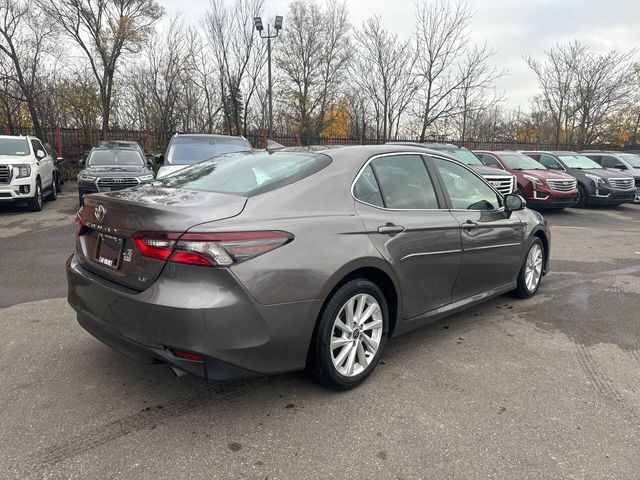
column 100, row 212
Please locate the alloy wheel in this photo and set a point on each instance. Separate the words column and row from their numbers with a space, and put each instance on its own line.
column 356, row 335
column 533, row 267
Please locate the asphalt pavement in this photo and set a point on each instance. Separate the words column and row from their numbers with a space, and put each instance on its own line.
column 543, row 388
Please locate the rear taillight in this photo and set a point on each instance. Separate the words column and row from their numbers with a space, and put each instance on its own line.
column 208, row 249
column 80, row 228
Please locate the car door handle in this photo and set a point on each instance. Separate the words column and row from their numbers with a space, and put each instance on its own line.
column 469, row 225
column 390, row 229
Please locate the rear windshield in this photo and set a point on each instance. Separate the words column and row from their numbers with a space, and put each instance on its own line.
column 190, row 150
column 579, row 162
column 14, row 146
column 521, row 162
column 247, row 174
column 114, row 157
column 465, row 156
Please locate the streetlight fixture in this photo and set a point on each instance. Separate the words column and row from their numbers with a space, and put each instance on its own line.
column 260, row 28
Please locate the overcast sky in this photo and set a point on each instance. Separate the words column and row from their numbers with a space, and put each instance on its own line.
column 514, row 27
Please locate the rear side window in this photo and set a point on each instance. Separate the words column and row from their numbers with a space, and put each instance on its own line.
column 366, row 188
column 248, row 173
column 404, row 183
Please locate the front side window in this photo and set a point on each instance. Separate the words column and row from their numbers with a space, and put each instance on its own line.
column 612, row 162
column 36, row 145
column 550, row 162
column 17, row 147
column 465, row 189
column 579, row 162
column 405, row 183
column 632, row 159
column 247, row 174
column 490, row 160
column 105, row 158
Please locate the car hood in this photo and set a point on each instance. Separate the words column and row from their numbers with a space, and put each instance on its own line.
column 113, row 171
column 484, row 170
column 543, row 174
column 166, row 170
column 14, row 159
column 599, row 172
column 634, row 172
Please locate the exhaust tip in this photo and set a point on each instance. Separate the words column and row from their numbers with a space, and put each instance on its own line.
column 179, row 373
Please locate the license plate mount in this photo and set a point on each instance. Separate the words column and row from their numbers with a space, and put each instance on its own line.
column 109, row 251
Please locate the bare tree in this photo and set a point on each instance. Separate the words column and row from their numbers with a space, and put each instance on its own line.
column 556, row 78
column 603, row 84
column 441, row 42
column 25, row 38
column 313, row 57
column 477, row 90
column 238, row 51
column 105, row 30
column 382, row 69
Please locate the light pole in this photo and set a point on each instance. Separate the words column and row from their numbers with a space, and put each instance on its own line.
column 260, row 28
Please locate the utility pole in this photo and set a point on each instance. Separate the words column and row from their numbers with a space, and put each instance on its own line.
column 260, row 28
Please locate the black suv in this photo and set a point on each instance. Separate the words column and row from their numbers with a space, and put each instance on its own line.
column 628, row 163
column 113, row 166
column 596, row 185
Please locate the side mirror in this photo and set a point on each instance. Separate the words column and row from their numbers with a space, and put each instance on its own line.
column 81, row 162
column 619, row 166
column 149, row 164
column 514, row 202
column 40, row 154
column 158, row 158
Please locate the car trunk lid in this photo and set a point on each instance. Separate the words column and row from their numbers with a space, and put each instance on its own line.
column 109, row 222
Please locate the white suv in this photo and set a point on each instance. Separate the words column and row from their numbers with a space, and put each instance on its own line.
column 26, row 171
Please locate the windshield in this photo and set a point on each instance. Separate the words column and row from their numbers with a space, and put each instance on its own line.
column 14, row 146
column 579, row 162
column 246, row 173
column 632, row 159
column 521, row 162
column 99, row 158
column 465, row 156
column 189, row 150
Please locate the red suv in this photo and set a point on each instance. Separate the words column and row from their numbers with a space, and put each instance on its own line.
column 542, row 188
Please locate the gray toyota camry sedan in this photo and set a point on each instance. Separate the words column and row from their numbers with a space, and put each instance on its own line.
column 258, row 263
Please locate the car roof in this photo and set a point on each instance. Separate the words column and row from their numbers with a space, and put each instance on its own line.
column 499, row 152
column 432, row 145
column 552, row 152
column 211, row 135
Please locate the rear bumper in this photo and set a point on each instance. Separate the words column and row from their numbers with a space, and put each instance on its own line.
column 220, row 321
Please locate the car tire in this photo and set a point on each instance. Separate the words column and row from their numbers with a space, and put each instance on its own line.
column 36, row 202
column 532, row 270
column 53, row 194
column 354, row 354
column 582, row 197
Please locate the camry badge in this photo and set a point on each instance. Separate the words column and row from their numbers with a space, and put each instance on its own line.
column 100, row 212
